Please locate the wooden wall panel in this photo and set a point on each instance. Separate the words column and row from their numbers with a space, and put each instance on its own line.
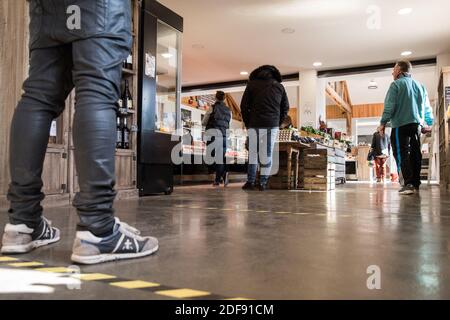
column 125, row 178
column 54, row 173
column 13, row 71
column 359, row 111
column 293, row 114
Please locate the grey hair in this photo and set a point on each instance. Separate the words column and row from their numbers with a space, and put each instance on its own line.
column 405, row 66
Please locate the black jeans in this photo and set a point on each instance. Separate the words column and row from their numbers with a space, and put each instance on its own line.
column 220, row 167
column 87, row 59
column 407, row 152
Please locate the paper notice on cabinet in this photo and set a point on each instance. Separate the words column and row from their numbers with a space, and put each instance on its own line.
column 53, row 129
column 150, row 65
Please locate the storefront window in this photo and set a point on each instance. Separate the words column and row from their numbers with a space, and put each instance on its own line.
column 167, row 78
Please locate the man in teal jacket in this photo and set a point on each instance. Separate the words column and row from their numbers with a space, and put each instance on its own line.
column 408, row 109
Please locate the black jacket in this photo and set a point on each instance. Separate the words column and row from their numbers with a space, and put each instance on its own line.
column 220, row 118
column 265, row 103
column 380, row 143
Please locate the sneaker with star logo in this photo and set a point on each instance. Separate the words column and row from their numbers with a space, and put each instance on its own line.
column 21, row 239
column 124, row 243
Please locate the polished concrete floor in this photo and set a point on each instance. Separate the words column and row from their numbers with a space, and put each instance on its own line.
column 272, row 245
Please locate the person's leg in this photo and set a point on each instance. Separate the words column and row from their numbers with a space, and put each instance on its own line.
column 253, row 155
column 404, row 141
column 377, row 168
column 382, row 168
column 97, row 75
column 267, row 140
column 416, row 155
column 220, row 164
column 45, row 90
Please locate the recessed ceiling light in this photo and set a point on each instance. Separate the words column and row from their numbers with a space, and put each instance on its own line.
column 244, row 73
column 373, row 85
column 317, row 64
column 405, row 11
column 288, row 30
column 406, row 53
column 198, row 46
column 167, row 55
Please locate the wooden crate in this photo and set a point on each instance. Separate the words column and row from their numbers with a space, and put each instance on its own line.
column 319, row 169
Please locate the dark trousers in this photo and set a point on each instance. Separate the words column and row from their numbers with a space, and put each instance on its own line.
column 220, row 167
column 407, row 152
column 90, row 61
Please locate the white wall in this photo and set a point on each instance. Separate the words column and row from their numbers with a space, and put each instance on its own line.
column 361, row 94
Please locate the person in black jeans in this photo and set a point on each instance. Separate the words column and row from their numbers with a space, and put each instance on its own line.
column 218, row 119
column 408, row 109
column 77, row 44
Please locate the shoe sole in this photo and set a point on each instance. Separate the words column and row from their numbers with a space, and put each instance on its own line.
column 25, row 248
column 407, row 193
column 108, row 257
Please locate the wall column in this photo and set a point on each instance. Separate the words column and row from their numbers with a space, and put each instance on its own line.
column 312, row 99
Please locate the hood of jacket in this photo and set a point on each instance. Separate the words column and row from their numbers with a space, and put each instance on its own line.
column 266, row 73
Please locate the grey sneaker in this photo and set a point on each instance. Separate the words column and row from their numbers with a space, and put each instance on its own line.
column 21, row 239
column 407, row 190
column 124, row 243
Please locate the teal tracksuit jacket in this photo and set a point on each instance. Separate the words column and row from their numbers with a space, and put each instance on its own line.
column 407, row 102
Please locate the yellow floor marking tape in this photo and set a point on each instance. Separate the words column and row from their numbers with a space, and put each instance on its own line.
column 94, row 276
column 55, row 270
column 183, row 293
column 7, row 259
column 25, row 264
column 134, row 284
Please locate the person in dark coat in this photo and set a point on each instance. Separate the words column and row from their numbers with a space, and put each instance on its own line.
column 219, row 118
column 264, row 107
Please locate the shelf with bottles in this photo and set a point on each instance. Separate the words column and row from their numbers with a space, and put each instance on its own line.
column 128, row 69
column 126, row 102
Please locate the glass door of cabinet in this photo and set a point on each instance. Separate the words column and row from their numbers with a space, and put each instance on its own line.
column 168, row 82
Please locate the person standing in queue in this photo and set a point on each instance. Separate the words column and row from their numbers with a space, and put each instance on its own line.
column 218, row 118
column 408, row 110
column 264, row 107
column 77, row 44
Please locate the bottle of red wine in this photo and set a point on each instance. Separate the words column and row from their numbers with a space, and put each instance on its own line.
column 127, row 97
column 126, row 134
column 119, row 133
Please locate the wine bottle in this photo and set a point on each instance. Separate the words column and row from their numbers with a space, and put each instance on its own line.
column 119, row 134
column 126, row 135
column 53, row 132
column 127, row 98
column 129, row 62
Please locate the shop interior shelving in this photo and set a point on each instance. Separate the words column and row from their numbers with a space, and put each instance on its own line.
column 443, row 122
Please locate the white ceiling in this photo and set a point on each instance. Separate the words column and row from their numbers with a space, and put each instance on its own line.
column 241, row 35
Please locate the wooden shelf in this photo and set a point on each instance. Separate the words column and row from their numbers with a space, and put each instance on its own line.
column 128, row 72
column 128, row 113
column 125, row 151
